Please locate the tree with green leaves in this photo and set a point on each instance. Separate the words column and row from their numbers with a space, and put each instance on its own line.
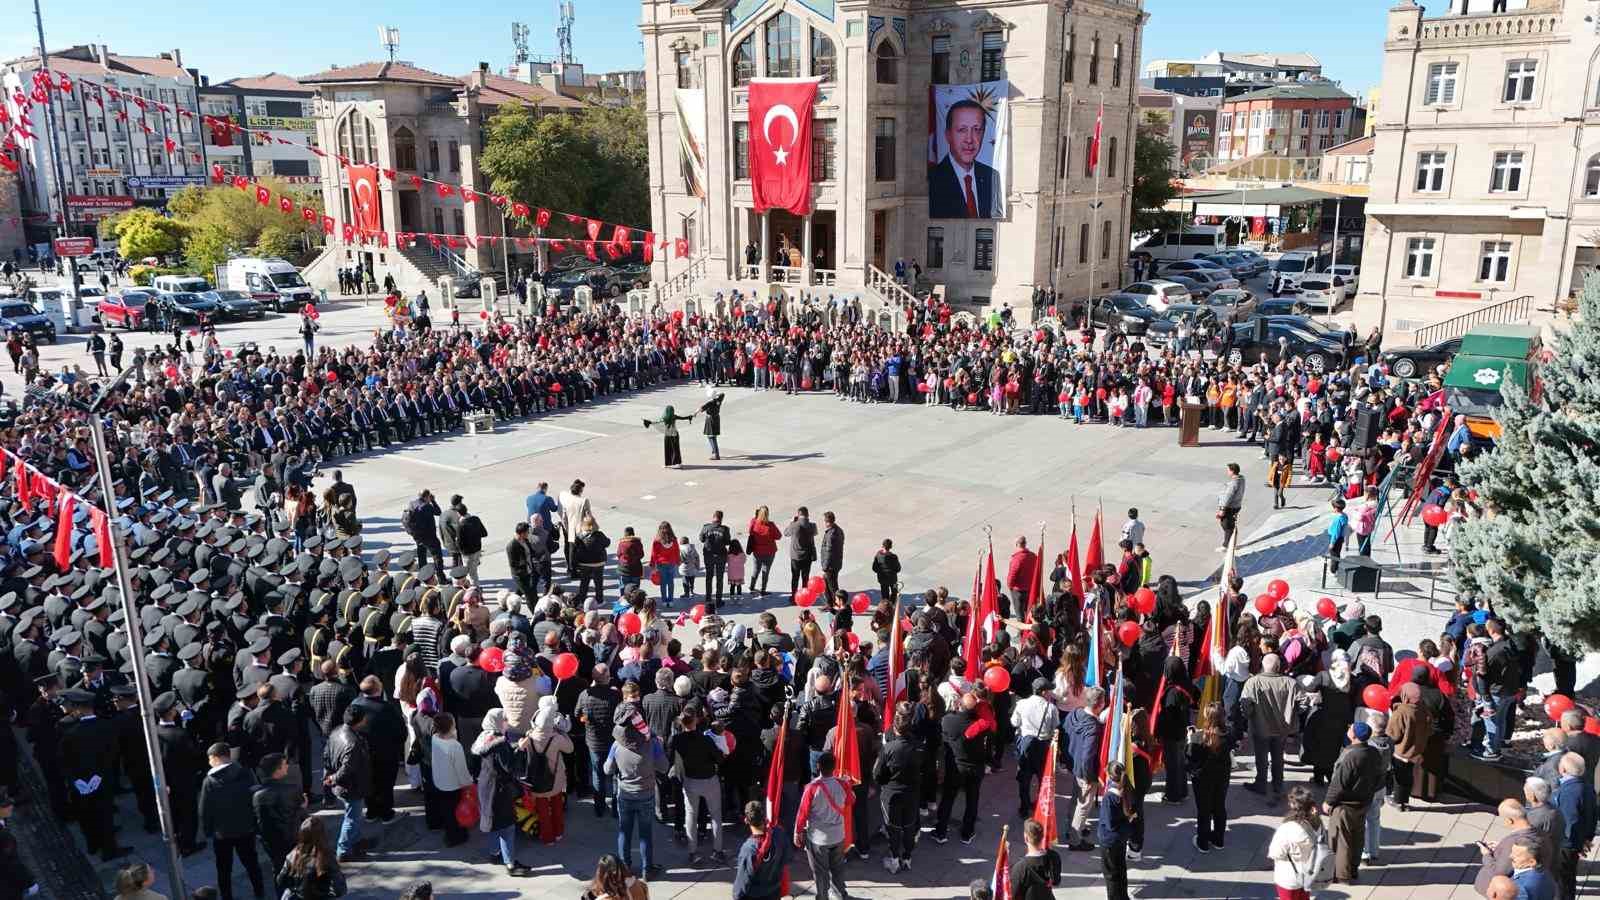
column 145, row 232
column 224, row 221
column 595, row 162
column 1533, row 554
column 1154, row 181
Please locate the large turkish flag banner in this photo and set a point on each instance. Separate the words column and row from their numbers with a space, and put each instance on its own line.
column 780, row 143
column 364, row 198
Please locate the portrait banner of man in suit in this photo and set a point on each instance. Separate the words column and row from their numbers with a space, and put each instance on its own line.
column 968, row 142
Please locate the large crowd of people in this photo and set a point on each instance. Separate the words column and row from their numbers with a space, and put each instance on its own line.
column 292, row 666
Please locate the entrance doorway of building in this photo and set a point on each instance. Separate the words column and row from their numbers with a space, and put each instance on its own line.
column 410, row 211
column 880, row 237
column 785, row 237
column 822, row 243
column 786, row 243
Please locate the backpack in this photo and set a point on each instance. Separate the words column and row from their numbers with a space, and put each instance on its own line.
column 1319, row 873
column 410, row 520
column 541, row 776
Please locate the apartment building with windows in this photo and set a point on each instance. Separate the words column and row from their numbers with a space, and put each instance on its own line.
column 1486, row 170
column 281, row 115
column 1300, row 119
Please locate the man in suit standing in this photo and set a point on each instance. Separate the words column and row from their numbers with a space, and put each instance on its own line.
column 961, row 187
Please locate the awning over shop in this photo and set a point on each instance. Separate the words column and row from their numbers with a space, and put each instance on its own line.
column 1270, row 202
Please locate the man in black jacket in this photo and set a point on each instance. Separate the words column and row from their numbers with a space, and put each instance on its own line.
column 184, row 764
column 1357, row 776
column 1498, row 685
column 88, row 753
column 269, row 728
column 278, row 808
column 348, row 765
column 898, row 774
column 135, row 759
column 227, row 817
column 385, row 731
column 596, row 710
column 966, row 758
column 714, row 537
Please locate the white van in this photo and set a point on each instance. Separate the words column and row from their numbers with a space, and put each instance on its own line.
column 1288, row 269
column 1190, row 242
column 180, row 284
column 269, row 281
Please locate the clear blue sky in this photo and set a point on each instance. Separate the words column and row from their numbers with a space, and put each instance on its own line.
column 299, row 36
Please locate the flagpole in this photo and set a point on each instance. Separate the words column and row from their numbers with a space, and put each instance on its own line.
column 1094, row 210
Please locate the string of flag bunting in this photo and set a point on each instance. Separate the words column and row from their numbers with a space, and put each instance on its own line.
column 46, row 89
column 29, row 484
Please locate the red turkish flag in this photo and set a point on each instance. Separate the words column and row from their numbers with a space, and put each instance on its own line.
column 588, row 250
column 263, row 196
column 170, row 144
column 444, row 190
column 63, row 546
column 680, row 247
column 649, row 247
column 217, row 175
column 520, row 210
column 327, row 225
column 469, row 195
column 364, row 196
column 780, row 143
column 541, row 219
column 286, row 206
column 102, row 537
column 307, row 213
column 241, row 182
column 348, row 232
column 594, row 229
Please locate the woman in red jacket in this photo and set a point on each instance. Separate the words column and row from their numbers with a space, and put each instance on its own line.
column 664, row 557
column 763, row 546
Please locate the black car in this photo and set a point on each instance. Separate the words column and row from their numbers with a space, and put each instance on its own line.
column 1280, row 306
column 19, row 316
column 1322, row 352
column 1164, row 326
column 236, row 304
column 1127, row 312
column 185, row 306
column 1408, row 362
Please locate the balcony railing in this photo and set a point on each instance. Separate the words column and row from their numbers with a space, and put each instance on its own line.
column 1489, row 27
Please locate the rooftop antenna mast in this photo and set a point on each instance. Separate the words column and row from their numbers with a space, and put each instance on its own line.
column 564, row 32
column 389, row 36
column 519, row 40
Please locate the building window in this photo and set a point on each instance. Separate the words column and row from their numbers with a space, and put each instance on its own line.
column 685, row 73
column 433, row 155
column 935, row 248
column 741, row 151
column 1066, row 154
column 1495, row 262
column 883, row 150
column 1323, row 118
column 455, row 156
column 983, row 250
column 783, row 46
column 1302, row 143
column 1116, row 63
column 824, row 61
column 1441, row 84
column 1088, row 157
column 1083, row 243
column 1338, row 120
column 1520, row 77
column 460, row 222
column 992, row 64
column 1111, row 157
column 941, row 60
column 1225, row 123
column 822, row 137
column 1430, row 171
column 888, row 64
column 357, row 140
column 1094, row 60
column 1506, row 176
column 1419, row 258
column 744, row 61
column 1105, row 241
column 1255, row 120
column 405, row 150
column 1591, row 177
column 1069, row 57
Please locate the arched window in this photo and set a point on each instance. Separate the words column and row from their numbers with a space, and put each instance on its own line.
column 405, row 149
column 358, row 142
column 824, row 61
column 744, row 61
column 783, row 46
column 888, row 64
column 1591, row 177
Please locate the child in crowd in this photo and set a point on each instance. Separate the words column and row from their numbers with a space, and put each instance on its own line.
column 735, row 570
column 690, row 565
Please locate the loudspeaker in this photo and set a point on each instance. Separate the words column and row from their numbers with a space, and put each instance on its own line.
column 1260, row 333
column 1365, row 434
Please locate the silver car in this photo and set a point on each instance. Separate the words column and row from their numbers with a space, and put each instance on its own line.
column 1215, row 279
column 1232, row 304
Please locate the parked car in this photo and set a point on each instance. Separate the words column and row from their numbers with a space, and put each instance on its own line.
column 1408, row 362
column 23, row 317
column 1290, row 268
column 127, row 309
column 564, row 284
column 1238, row 266
column 1280, row 306
column 1232, row 304
column 1128, row 312
column 184, row 306
column 1158, row 292
column 236, row 304
column 1216, row 279
column 1198, row 289
column 1321, row 352
column 1321, row 292
column 1185, row 266
column 1351, row 275
column 1164, row 327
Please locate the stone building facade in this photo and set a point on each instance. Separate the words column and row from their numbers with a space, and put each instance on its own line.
column 877, row 60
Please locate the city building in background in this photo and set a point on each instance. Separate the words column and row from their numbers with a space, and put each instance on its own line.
column 1220, row 74
column 1486, row 178
column 273, row 102
column 13, row 236
column 1291, row 119
column 880, row 185
column 1188, row 123
column 107, row 164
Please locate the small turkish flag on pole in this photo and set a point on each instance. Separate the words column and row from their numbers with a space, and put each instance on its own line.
column 263, row 196
column 1094, row 145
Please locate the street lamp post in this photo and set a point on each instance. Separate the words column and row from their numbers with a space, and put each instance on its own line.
column 130, row 613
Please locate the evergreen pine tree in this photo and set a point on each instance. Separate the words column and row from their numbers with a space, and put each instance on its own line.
column 1533, row 554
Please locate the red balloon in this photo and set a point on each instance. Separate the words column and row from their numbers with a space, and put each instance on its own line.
column 1435, row 515
column 1334, row 454
column 804, row 597
column 998, row 680
column 492, row 660
column 1128, row 633
column 1277, row 589
column 566, row 666
column 1144, row 601
column 629, row 623
column 555, row 387
column 860, row 603
column 1556, row 704
column 697, row 612
column 1591, row 725
column 852, row 641
column 817, row 584
column 1326, row 608
column 728, row 736
column 1266, row 604
column 1376, row 696
column 972, row 399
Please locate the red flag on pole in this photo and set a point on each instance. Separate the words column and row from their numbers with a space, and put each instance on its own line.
column 1074, row 568
column 1036, row 584
column 846, row 747
column 774, row 796
column 102, row 537
column 973, row 644
column 780, row 143
column 1044, row 806
column 63, row 547
column 593, row 227
column 1094, row 145
column 1000, row 881
column 897, row 667
column 649, row 247
column 23, row 492
column 1094, row 555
